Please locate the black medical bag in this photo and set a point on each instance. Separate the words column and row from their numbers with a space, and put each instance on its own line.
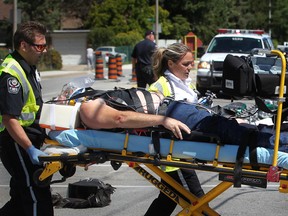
column 268, row 85
column 89, row 193
column 238, row 76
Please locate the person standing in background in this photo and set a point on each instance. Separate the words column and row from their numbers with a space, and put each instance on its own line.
column 141, row 60
column 90, row 57
column 20, row 134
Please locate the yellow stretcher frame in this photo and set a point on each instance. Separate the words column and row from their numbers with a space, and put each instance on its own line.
column 195, row 206
column 274, row 169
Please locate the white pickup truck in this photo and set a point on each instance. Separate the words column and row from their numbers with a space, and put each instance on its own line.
column 227, row 41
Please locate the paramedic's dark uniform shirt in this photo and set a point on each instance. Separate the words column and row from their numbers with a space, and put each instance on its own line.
column 11, row 99
column 143, row 52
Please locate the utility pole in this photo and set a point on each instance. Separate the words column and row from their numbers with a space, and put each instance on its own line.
column 270, row 16
column 156, row 22
column 14, row 18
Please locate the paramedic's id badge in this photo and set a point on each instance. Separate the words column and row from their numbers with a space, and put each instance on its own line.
column 13, row 85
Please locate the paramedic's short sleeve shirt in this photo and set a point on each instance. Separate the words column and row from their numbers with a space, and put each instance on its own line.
column 143, row 52
column 11, row 96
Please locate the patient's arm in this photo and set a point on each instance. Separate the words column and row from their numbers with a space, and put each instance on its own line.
column 97, row 115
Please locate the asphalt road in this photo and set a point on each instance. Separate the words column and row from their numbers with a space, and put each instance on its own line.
column 133, row 193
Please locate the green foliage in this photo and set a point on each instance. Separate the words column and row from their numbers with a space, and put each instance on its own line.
column 181, row 26
column 122, row 22
column 3, row 53
column 50, row 61
column 47, row 12
column 125, row 39
column 279, row 22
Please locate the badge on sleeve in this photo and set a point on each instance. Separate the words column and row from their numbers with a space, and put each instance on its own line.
column 13, row 85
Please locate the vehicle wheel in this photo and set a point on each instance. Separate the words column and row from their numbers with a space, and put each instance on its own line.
column 45, row 183
column 68, row 170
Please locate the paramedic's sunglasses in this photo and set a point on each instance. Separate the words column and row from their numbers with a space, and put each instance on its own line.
column 38, row 47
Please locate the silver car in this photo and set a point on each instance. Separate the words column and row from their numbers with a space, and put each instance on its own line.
column 110, row 50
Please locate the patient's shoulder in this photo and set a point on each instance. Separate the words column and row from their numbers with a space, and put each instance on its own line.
column 92, row 104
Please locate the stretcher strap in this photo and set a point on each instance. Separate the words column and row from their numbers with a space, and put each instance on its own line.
column 89, row 92
column 253, row 151
column 156, row 143
column 52, row 117
column 149, row 102
column 74, row 115
column 138, row 104
column 136, row 101
column 248, row 140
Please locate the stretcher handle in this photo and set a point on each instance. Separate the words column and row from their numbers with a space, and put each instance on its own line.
column 280, row 105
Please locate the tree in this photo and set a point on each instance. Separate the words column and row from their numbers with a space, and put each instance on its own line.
column 119, row 22
column 181, row 27
column 204, row 17
column 46, row 12
column 279, row 23
column 123, row 22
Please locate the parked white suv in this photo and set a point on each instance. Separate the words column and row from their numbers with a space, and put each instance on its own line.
column 227, row 41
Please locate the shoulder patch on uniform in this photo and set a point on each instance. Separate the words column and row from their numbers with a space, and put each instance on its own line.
column 13, row 85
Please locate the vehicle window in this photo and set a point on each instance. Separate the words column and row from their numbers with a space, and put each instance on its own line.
column 266, row 44
column 234, row 45
column 104, row 49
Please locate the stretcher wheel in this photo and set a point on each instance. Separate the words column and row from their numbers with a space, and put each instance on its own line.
column 45, row 183
column 115, row 164
column 68, row 170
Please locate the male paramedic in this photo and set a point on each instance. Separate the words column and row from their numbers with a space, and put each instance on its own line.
column 20, row 136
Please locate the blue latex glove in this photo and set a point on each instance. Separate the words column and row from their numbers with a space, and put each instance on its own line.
column 34, row 153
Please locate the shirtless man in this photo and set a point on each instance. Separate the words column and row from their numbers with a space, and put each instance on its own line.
column 96, row 114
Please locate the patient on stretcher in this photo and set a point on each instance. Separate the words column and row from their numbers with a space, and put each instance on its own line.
column 179, row 117
column 176, row 116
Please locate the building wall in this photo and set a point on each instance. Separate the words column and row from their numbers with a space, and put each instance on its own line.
column 166, row 42
column 71, row 44
column 5, row 11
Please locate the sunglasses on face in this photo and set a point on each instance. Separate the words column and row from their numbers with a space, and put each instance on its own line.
column 38, row 47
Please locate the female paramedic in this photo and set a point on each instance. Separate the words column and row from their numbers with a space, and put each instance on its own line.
column 172, row 66
column 21, row 135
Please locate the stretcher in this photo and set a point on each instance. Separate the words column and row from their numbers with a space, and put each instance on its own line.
column 137, row 151
column 120, row 148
